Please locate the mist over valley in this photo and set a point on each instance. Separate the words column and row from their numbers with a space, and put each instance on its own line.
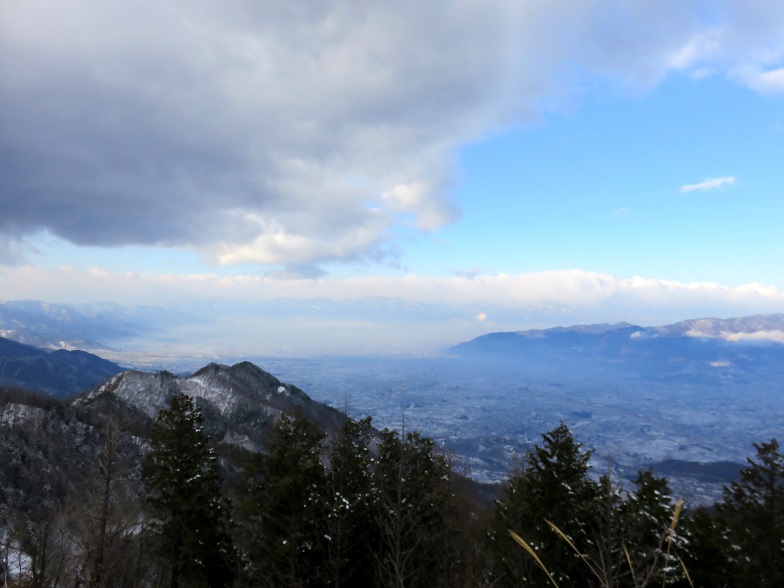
column 687, row 399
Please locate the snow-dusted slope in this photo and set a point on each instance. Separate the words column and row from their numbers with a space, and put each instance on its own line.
column 240, row 403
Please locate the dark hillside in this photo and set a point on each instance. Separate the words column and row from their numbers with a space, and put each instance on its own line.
column 58, row 373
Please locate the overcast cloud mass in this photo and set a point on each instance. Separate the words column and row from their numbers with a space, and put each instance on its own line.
column 297, row 133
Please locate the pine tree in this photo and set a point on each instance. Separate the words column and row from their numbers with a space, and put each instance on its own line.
column 412, row 506
column 181, row 474
column 605, row 548
column 710, row 559
column 351, row 533
column 551, row 485
column 286, row 506
column 753, row 508
column 648, row 515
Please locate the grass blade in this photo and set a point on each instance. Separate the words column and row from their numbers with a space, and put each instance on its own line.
column 532, row 553
column 685, row 571
column 675, row 515
column 631, row 566
column 563, row 536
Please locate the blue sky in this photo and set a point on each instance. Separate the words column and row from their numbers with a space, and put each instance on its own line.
column 599, row 187
column 394, row 179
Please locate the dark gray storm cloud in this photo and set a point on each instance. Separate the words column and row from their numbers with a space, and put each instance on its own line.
column 278, row 132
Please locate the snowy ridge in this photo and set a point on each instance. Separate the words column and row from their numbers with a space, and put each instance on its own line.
column 240, row 403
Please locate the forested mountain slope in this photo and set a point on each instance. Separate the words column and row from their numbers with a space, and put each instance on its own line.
column 60, row 373
column 240, row 403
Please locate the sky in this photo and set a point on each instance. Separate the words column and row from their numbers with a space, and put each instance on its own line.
column 364, row 176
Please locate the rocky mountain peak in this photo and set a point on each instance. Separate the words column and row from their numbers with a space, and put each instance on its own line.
column 240, row 403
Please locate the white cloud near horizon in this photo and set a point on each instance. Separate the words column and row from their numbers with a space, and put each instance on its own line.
column 709, row 184
column 756, row 336
column 297, row 135
column 564, row 292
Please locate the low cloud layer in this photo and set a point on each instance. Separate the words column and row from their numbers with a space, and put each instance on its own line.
column 756, row 337
column 294, row 134
column 378, row 314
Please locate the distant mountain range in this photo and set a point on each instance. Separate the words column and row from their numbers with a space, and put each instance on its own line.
column 700, row 349
column 63, row 326
column 767, row 328
column 59, row 373
column 82, row 326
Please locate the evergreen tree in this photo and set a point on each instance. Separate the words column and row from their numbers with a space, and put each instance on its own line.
column 182, row 479
column 583, row 532
column 605, row 548
column 651, row 544
column 286, row 507
column 551, row 485
column 466, row 523
column 711, row 558
column 753, row 509
column 351, row 536
column 412, row 505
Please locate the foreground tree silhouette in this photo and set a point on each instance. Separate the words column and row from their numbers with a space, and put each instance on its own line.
column 350, row 517
column 552, row 484
column 412, row 506
column 285, row 508
column 647, row 514
column 577, row 532
column 753, row 509
column 104, row 513
column 180, row 472
column 711, row 559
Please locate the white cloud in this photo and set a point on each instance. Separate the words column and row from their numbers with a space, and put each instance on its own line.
column 743, row 42
column 709, row 184
column 775, row 336
column 288, row 134
column 720, row 363
column 764, row 82
column 276, row 245
column 756, row 336
column 589, row 294
column 268, row 310
column 700, row 47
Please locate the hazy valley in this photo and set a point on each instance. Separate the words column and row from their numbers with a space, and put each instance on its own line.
column 689, row 405
column 490, row 412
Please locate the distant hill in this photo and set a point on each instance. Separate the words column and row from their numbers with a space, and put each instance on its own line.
column 62, row 326
column 83, row 326
column 59, row 373
column 700, row 349
column 240, row 403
